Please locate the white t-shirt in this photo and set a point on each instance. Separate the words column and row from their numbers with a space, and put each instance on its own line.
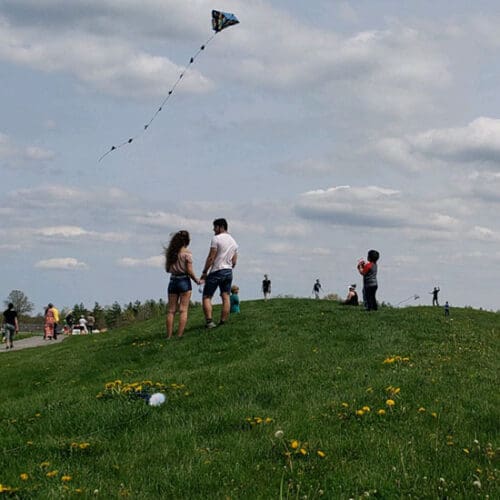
column 226, row 248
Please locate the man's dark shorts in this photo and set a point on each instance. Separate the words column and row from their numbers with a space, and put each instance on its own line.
column 222, row 279
column 179, row 284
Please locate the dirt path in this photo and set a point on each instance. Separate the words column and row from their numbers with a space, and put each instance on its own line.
column 36, row 341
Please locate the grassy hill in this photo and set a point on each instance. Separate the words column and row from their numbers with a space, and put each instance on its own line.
column 292, row 399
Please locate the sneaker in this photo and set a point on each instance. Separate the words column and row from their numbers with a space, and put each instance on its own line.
column 210, row 324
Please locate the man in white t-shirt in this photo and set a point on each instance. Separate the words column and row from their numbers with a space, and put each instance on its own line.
column 218, row 271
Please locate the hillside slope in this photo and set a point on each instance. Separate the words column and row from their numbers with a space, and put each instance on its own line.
column 293, row 397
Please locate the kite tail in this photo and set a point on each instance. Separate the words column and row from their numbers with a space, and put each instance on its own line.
column 164, row 102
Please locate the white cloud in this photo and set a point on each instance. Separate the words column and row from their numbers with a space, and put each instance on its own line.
column 68, row 232
column 476, row 143
column 111, row 65
column 15, row 155
column 66, row 263
column 156, row 261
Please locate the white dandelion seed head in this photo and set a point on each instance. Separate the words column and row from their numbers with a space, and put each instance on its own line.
column 279, row 434
column 157, row 399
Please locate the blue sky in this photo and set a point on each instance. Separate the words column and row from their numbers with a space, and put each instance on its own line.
column 319, row 130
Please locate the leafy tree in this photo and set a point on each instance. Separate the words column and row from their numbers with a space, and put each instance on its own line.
column 21, row 303
column 98, row 313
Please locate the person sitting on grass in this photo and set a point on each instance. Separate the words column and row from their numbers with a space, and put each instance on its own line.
column 352, row 296
column 235, row 300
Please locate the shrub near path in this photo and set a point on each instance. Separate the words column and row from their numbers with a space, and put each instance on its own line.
column 293, row 398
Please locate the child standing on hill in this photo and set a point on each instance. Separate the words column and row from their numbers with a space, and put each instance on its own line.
column 369, row 272
column 234, row 300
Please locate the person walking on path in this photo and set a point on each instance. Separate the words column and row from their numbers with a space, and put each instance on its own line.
column 55, row 312
column 218, row 271
column 370, row 284
column 434, row 294
column 48, row 328
column 266, row 287
column 10, row 325
column 179, row 263
column 82, row 323
column 317, row 289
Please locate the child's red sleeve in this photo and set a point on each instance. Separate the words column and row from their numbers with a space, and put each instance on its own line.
column 366, row 268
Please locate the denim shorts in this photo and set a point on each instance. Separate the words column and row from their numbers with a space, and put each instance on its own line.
column 222, row 279
column 179, row 284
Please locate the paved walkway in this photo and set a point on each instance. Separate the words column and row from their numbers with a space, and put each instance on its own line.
column 36, row 341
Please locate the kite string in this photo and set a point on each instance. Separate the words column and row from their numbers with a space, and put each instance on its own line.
column 165, row 100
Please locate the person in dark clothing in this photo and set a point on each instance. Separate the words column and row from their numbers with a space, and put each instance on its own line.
column 10, row 324
column 352, row 297
column 434, row 293
column 370, row 284
column 266, row 287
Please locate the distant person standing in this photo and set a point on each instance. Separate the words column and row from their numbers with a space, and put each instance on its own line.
column 179, row 263
column 90, row 323
column 82, row 323
column 446, row 309
column 10, row 325
column 48, row 327
column 266, row 287
column 69, row 322
column 317, row 289
column 55, row 312
column 235, row 299
column 435, row 293
column 218, row 271
column 370, row 284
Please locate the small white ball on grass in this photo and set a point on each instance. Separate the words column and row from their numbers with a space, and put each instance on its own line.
column 157, row 399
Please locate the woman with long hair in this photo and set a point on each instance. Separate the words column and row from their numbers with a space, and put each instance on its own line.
column 179, row 263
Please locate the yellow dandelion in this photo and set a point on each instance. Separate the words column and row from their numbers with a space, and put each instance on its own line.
column 434, row 414
column 390, row 402
column 321, row 454
column 78, row 490
column 24, row 476
column 360, row 413
column 381, row 412
column 294, row 444
column 45, row 464
column 303, row 451
column 258, row 420
column 406, row 359
column 268, row 420
column 29, row 443
column 52, row 473
column 466, row 451
column 83, row 446
column 5, row 489
column 66, row 479
column 345, row 405
column 370, row 389
column 366, row 409
column 38, row 415
column 396, row 390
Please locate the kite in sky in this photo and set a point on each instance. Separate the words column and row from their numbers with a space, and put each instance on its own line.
column 220, row 21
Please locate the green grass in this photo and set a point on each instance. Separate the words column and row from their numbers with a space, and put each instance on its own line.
column 306, row 365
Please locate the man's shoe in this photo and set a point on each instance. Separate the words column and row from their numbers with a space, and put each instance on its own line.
column 210, row 324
